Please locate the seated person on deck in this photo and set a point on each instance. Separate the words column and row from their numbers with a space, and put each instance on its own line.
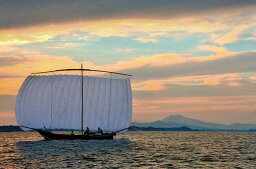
column 44, row 129
column 100, row 130
column 86, row 131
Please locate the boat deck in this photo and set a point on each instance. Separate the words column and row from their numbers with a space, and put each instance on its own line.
column 90, row 136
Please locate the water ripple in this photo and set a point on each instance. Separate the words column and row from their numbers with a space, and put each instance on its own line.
column 133, row 150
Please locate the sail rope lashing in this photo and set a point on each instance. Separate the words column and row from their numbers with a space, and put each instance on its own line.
column 97, row 102
column 89, row 85
column 105, row 122
column 85, row 99
column 21, row 97
column 93, row 102
column 72, row 101
column 68, row 101
column 87, row 106
column 76, row 95
column 69, row 98
column 72, row 96
column 45, row 104
column 30, row 100
column 110, row 91
column 52, row 92
column 64, row 99
column 58, row 98
column 123, row 97
column 90, row 82
column 36, row 100
column 46, row 101
column 52, row 99
column 52, row 85
column 97, row 105
column 60, row 110
column 121, row 100
column 103, row 101
column 54, row 103
column 94, row 105
column 82, row 99
column 127, row 100
column 115, row 88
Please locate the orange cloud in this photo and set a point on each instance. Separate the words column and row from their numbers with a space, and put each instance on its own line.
column 229, row 37
column 32, row 62
column 126, row 27
column 253, row 78
column 218, row 52
column 231, row 79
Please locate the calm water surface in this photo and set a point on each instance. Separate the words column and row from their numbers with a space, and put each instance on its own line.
column 132, row 150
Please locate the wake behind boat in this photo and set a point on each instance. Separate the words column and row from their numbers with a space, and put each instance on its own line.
column 102, row 106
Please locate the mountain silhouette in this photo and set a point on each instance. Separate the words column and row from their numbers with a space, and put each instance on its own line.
column 180, row 121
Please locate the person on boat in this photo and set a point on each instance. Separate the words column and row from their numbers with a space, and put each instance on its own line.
column 72, row 133
column 44, row 129
column 86, row 131
column 100, row 130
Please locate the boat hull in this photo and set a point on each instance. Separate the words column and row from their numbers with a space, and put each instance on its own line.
column 93, row 136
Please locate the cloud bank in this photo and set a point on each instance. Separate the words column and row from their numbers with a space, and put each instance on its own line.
column 23, row 13
column 243, row 62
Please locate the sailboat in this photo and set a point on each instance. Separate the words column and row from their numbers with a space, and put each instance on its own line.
column 97, row 106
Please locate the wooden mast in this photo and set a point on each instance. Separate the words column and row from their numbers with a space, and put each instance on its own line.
column 82, row 99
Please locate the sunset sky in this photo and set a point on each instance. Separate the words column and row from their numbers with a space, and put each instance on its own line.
column 195, row 58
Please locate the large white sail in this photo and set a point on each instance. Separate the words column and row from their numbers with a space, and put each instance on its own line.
column 54, row 102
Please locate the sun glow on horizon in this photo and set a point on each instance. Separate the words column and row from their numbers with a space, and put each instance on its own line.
column 195, row 61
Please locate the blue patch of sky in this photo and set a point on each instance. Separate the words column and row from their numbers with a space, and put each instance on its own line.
column 241, row 46
column 244, row 44
column 248, row 33
column 107, row 50
column 248, row 75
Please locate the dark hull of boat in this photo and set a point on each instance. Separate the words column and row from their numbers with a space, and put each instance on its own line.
column 93, row 136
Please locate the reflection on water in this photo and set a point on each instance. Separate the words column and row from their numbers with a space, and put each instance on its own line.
column 35, row 148
column 135, row 149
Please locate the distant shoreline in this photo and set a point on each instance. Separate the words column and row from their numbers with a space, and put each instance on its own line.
column 184, row 128
column 11, row 128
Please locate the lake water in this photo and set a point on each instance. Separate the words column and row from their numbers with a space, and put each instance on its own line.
column 132, row 150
